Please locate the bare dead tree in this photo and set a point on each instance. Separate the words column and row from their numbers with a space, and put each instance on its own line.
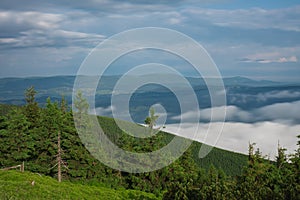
column 59, row 160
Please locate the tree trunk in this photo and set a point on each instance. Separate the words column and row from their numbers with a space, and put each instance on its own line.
column 58, row 158
column 22, row 166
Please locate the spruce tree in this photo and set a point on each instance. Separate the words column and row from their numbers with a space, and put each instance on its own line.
column 31, row 107
column 18, row 143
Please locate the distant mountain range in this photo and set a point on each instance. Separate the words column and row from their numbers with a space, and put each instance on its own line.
column 13, row 88
column 242, row 92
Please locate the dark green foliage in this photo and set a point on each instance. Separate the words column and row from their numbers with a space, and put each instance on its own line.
column 5, row 109
column 31, row 108
column 231, row 163
column 16, row 141
column 262, row 179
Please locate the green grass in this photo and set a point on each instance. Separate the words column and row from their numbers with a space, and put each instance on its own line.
column 17, row 185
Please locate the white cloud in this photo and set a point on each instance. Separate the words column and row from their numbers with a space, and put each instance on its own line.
column 287, row 112
column 8, row 40
column 254, row 18
column 174, row 21
column 266, row 60
column 30, row 19
column 187, row 116
column 236, row 136
column 290, row 59
column 278, row 95
column 35, row 29
column 104, row 111
column 232, row 113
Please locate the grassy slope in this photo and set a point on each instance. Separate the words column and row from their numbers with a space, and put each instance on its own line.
column 17, row 185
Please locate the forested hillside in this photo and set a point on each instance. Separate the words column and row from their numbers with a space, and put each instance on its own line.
column 45, row 139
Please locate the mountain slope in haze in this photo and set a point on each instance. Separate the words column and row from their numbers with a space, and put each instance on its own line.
column 12, row 89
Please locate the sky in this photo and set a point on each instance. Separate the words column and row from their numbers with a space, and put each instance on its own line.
column 251, row 38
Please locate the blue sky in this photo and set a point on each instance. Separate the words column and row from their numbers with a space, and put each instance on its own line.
column 256, row 39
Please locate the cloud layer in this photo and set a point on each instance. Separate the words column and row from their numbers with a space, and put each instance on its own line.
column 237, row 136
column 287, row 112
